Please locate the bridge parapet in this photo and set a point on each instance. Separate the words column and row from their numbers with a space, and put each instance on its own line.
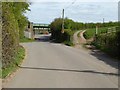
column 38, row 24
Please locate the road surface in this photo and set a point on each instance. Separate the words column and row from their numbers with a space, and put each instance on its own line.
column 53, row 65
column 79, row 41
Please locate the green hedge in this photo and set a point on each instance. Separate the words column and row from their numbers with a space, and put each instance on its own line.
column 69, row 28
column 16, row 61
column 13, row 23
column 10, row 34
column 107, row 43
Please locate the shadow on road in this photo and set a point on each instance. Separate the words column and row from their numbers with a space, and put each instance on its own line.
column 105, row 58
column 96, row 53
column 44, row 38
column 68, row 70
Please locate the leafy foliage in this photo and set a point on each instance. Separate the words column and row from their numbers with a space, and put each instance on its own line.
column 71, row 26
column 109, row 42
column 56, row 27
column 13, row 23
column 17, row 60
column 19, row 9
column 118, row 40
column 108, row 39
column 10, row 34
column 90, row 33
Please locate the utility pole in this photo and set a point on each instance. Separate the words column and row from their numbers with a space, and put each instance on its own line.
column 63, row 21
column 103, row 20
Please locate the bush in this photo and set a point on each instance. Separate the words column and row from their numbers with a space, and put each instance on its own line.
column 118, row 40
column 90, row 33
column 70, row 27
column 107, row 43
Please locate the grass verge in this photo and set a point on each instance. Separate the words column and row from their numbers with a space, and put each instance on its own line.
column 13, row 65
column 68, row 43
column 26, row 40
column 78, row 35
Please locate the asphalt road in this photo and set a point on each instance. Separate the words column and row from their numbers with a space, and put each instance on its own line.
column 53, row 65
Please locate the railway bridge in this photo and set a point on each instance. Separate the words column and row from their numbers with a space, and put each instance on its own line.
column 36, row 29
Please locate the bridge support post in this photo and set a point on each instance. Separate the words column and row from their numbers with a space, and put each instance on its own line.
column 31, row 30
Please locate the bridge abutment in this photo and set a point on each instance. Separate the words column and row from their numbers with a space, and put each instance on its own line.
column 36, row 28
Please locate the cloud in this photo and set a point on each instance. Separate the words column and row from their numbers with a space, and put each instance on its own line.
column 74, row 0
column 45, row 12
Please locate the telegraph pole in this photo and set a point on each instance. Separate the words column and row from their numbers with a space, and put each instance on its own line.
column 103, row 20
column 63, row 21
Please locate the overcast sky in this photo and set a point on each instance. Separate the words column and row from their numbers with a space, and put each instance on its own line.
column 45, row 11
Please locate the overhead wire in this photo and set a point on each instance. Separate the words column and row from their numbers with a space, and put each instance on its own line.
column 70, row 4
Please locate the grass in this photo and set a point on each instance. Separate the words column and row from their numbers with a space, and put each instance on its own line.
column 26, row 40
column 91, row 32
column 68, row 43
column 78, row 35
column 13, row 65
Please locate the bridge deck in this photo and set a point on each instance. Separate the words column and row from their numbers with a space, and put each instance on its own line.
column 38, row 25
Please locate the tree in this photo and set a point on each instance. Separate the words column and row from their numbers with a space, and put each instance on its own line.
column 19, row 9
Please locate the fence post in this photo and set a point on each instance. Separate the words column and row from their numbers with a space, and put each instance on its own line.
column 96, row 32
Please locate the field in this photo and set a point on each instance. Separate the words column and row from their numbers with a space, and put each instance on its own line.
column 91, row 32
